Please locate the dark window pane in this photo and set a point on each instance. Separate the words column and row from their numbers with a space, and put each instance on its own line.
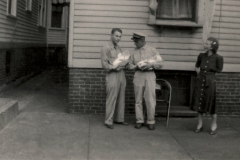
column 165, row 9
column 185, row 9
column 57, row 16
column 175, row 9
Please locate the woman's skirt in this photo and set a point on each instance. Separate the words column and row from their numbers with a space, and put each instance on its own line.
column 204, row 95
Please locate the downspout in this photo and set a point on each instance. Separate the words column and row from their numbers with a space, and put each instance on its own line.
column 208, row 18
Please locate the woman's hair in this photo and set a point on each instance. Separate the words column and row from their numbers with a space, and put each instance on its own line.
column 214, row 44
column 116, row 29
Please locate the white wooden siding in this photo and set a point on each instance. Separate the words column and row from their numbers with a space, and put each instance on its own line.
column 56, row 36
column 23, row 29
column 226, row 27
column 92, row 21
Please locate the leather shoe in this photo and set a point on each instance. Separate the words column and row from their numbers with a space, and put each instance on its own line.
column 109, row 126
column 213, row 132
column 138, row 125
column 122, row 123
column 151, row 127
column 199, row 130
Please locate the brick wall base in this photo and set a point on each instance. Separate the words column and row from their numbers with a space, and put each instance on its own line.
column 228, row 94
column 87, row 91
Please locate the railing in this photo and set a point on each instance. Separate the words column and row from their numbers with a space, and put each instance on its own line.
column 160, row 83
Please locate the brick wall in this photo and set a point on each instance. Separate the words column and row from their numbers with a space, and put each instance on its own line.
column 228, row 94
column 87, row 91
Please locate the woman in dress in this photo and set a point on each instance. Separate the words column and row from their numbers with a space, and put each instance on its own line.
column 204, row 98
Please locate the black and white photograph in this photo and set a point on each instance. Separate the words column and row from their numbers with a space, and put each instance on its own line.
column 119, row 79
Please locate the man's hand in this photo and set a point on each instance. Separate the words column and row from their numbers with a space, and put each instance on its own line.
column 123, row 63
column 197, row 70
column 147, row 66
column 132, row 67
column 158, row 65
column 119, row 68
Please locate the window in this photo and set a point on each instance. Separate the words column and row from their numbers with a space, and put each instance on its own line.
column 29, row 5
column 8, row 62
column 57, row 16
column 176, row 12
column 42, row 13
column 12, row 7
column 176, row 9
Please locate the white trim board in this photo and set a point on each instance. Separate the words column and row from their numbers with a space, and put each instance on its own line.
column 168, row 65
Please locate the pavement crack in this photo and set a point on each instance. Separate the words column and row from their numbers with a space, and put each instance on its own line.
column 230, row 125
column 89, row 136
column 180, row 144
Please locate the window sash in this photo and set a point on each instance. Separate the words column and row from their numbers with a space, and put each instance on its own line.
column 59, row 12
column 175, row 9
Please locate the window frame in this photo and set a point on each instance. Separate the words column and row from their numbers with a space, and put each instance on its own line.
column 11, row 8
column 62, row 19
column 28, row 5
column 42, row 13
column 197, row 23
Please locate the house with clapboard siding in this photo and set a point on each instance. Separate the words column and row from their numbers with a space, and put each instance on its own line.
column 23, row 38
column 177, row 33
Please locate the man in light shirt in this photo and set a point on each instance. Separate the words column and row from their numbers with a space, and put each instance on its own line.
column 144, row 79
column 115, row 80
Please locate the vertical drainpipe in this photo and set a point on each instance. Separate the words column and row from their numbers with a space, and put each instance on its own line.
column 70, row 40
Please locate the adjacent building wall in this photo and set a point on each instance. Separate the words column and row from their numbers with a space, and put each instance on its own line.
column 23, row 39
column 22, row 30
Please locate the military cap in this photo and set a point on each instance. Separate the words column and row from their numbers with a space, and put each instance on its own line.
column 138, row 35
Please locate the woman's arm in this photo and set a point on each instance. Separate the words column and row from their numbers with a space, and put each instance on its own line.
column 219, row 64
column 197, row 69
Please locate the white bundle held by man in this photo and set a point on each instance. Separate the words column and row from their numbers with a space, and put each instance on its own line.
column 153, row 60
column 121, row 57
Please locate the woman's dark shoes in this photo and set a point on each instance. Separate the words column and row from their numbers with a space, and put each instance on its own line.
column 122, row 123
column 213, row 132
column 199, row 130
column 138, row 125
column 109, row 126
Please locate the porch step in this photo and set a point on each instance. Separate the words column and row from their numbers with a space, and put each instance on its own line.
column 8, row 111
column 176, row 111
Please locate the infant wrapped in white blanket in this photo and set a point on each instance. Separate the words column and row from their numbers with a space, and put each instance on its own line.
column 121, row 57
column 154, row 59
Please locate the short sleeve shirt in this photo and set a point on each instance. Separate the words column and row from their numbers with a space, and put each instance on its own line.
column 109, row 53
column 143, row 53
